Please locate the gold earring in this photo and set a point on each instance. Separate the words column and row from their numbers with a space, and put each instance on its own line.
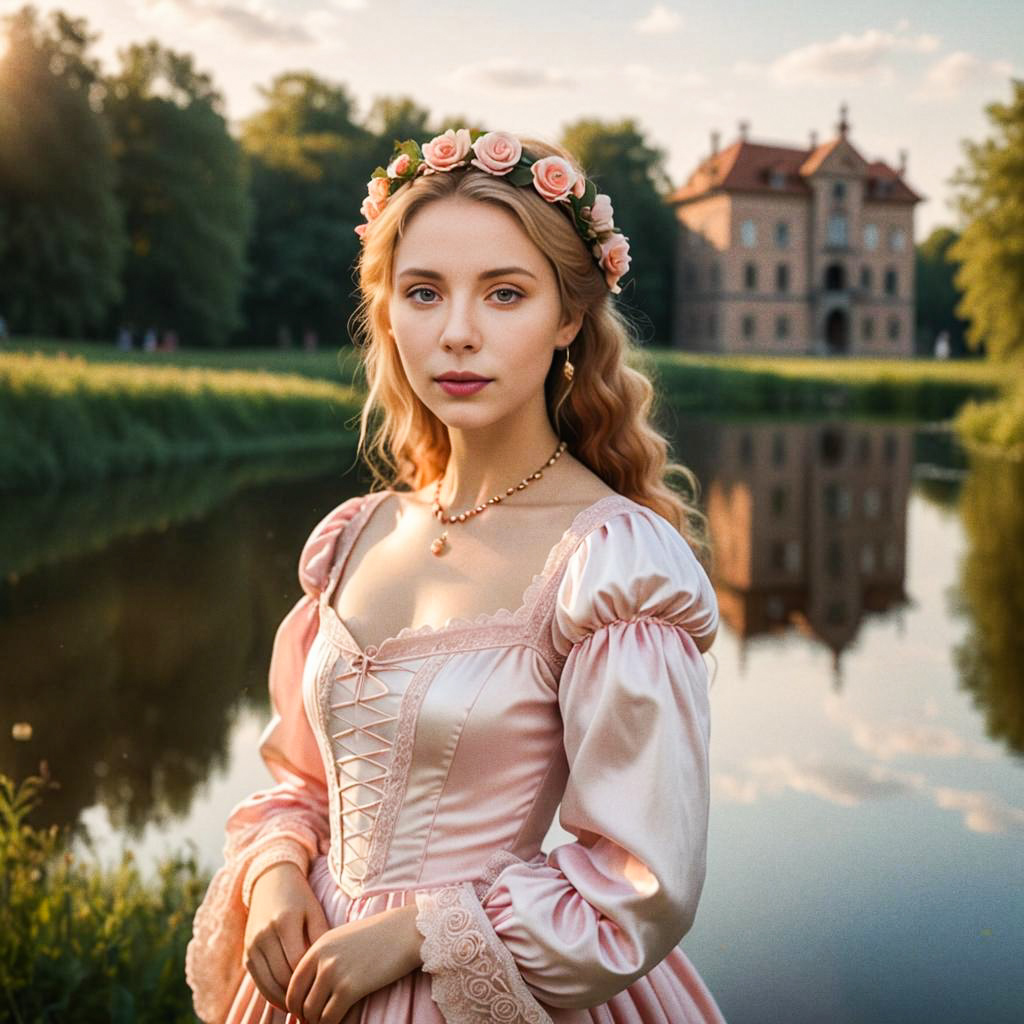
column 567, row 368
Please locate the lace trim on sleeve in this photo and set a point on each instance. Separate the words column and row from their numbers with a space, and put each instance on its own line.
column 474, row 980
column 280, row 851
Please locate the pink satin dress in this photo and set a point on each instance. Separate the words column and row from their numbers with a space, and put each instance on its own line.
column 429, row 768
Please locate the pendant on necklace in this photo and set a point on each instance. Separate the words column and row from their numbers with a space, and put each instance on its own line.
column 437, row 545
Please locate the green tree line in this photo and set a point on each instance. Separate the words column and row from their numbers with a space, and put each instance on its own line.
column 125, row 201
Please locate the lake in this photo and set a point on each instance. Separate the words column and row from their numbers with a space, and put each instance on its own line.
column 866, row 842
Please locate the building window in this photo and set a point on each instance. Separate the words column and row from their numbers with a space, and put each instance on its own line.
column 839, row 190
column 750, row 276
column 897, row 239
column 837, row 224
column 864, row 449
column 782, row 277
column 689, row 274
column 749, row 326
column 712, row 326
column 746, row 448
column 778, row 502
column 716, row 276
column 894, row 328
column 781, row 327
column 865, row 280
column 891, row 281
column 782, row 234
column 748, row 233
column 778, row 449
column 867, row 328
column 778, row 179
column 870, row 236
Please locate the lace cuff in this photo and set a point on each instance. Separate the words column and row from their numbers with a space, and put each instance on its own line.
column 474, row 977
column 279, row 851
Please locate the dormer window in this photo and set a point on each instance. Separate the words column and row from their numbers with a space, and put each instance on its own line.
column 778, row 179
column 839, row 190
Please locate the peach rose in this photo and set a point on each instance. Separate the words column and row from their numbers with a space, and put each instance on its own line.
column 614, row 260
column 370, row 210
column 399, row 165
column 497, row 152
column 580, row 188
column 553, row 178
column 601, row 214
column 360, row 229
column 379, row 189
column 443, row 152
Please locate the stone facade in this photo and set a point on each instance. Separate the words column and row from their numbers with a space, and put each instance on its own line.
column 795, row 251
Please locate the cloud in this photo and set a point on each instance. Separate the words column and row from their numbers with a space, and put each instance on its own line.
column 886, row 740
column 657, row 85
column 956, row 72
column 848, row 58
column 510, row 74
column 661, row 20
column 251, row 21
column 844, row 784
column 982, row 812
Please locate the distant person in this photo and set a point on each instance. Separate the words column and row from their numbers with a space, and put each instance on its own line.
column 514, row 621
column 169, row 342
column 310, row 340
column 125, row 339
column 942, row 345
column 149, row 342
column 284, row 336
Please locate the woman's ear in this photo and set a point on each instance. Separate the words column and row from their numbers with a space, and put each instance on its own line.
column 569, row 329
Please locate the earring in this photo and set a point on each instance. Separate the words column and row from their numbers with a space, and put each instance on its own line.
column 567, row 368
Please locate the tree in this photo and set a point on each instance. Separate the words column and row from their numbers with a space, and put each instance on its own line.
column 632, row 173
column 937, row 295
column 990, row 250
column 184, row 188
column 309, row 163
column 62, row 237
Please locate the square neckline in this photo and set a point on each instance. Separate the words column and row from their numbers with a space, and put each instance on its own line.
column 454, row 623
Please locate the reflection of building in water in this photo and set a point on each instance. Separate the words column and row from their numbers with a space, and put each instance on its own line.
column 795, row 250
column 807, row 523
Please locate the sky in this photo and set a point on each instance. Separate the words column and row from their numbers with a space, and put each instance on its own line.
column 915, row 75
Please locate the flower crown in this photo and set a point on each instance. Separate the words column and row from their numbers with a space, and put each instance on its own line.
column 502, row 155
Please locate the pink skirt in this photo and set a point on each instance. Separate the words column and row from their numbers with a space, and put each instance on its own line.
column 671, row 993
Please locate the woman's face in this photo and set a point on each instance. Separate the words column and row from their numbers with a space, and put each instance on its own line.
column 472, row 293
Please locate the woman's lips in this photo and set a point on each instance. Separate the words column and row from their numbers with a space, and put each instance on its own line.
column 463, row 387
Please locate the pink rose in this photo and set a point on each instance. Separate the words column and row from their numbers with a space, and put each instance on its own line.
column 553, row 178
column 379, row 189
column 360, row 229
column 601, row 214
column 370, row 210
column 399, row 165
column 614, row 260
column 443, row 152
column 580, row 188
column 497, row 152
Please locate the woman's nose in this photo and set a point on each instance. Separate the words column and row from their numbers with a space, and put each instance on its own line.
column 460, row 327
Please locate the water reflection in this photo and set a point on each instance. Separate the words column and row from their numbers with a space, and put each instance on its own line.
column 867, row 823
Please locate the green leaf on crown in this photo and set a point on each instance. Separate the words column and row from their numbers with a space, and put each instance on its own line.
column 520, row 175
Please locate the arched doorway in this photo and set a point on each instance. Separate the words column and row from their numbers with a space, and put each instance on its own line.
column 837, row 332
column 835, row 277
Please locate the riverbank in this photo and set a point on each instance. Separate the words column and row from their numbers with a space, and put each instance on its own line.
column 996, row 428
column 66, row 421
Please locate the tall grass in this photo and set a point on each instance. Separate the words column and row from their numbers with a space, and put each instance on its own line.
column 83, row 942
column 66, row 421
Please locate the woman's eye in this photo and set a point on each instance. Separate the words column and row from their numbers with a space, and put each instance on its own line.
column 506, row 296
column 417, row 291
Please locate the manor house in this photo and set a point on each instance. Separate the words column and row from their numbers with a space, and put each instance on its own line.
column 797, row 251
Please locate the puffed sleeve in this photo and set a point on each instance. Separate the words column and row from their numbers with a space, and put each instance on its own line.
column 286, row 822
column 633, row 614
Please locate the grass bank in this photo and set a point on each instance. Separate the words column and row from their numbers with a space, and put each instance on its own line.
column 996, row 428
column 65, row 420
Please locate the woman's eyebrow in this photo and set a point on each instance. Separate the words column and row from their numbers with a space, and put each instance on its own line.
column 497, row 272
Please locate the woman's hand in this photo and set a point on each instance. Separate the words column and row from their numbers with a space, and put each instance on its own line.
column 351, row 961
column 285, row 918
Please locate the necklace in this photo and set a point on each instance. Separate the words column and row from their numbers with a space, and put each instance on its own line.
column 438, row 544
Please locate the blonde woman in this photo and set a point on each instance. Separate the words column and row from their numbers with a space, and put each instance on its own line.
column 512, row 622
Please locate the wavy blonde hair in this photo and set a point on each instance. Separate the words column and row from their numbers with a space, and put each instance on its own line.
column 603, row 416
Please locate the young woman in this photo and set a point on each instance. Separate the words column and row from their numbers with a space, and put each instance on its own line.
column 513, row 623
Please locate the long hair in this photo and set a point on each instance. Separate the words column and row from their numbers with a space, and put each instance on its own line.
column 603, row 415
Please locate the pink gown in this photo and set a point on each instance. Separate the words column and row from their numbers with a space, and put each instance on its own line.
column 429, row 768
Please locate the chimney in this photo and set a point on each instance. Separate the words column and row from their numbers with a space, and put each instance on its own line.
column 715, row 137
column 844, row 125
column 744, row 127
column 903, row 163
column 814, row 139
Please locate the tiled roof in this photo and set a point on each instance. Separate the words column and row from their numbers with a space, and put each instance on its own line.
column 781, row 170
